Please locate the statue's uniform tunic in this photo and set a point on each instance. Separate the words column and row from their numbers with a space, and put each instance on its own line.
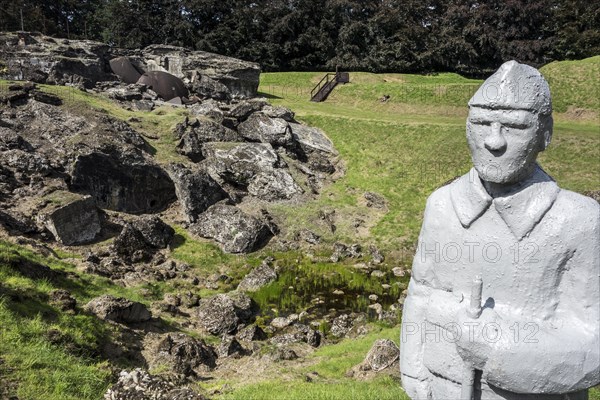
column 538, row 253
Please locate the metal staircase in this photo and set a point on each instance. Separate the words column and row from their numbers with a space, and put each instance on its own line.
column 327, row 84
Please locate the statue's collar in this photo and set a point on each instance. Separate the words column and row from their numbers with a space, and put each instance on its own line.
column 521, row 210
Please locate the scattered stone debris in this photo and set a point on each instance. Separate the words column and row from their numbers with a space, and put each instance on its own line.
column 341, row 325
column 297, row 333
column 308, row 236
column 257, row 278
column 283, row 353
column 63, row 300
column 251, row 333
column 222, row 313
column 374, row 200
column 155, row 232
column 376, row 255
column 382, row 358
column 382, row 355
column 342, row 251
column 230, row 347
column 108, row 307
column 140, row 385
column 179, row 353
column 236, row 231
column 76, row 222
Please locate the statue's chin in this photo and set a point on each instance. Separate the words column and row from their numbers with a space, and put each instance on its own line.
column 506, row 178
column 496, row 176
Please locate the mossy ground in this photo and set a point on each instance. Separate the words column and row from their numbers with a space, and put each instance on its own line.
column 401, row 149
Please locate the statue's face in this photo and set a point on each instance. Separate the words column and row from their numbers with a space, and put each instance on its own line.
column 504, row 143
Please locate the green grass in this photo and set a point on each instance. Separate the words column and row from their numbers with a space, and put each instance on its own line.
column 377, row 389
column 47, row 353
column 574, row 83
column 331, row 364
column 405, row 148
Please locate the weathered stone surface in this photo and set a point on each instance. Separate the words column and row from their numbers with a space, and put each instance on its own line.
column 297, row 333
column 261, row 128
column 376, row 255
column 230, row 347
column 312, row 139
column 284, row 354
column 278, row 112
column 273, row 185
column 126, row 93
column 217, row 315
column 47, row 98
column 245, row 307
column 121, row 184
column 251, row 333
column 76, row 222
column 244, row 109
column 208, row 108
column 124, row 69
column 195, row 189
column 383, row 354
column 257, row 278
column 108, row 307
column 140, row 385
column 194, row 135
column 240, row 77
column 131, row 245
column 288, row 338
column 238, row 163
column 234, row 230
column 206, row 87
column 222, row 313
column 341, row 325
column 179, row 353
column 313, row 338
column 280, row 322
column 155, row 232
column 58, row 61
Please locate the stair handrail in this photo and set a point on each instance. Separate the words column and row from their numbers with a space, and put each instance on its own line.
column 318, row 86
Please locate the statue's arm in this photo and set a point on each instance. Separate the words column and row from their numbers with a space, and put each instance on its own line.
column 422, row 284
column 562, row 354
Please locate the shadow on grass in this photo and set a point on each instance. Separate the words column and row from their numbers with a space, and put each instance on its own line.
column 268, row 95
column 177, row 241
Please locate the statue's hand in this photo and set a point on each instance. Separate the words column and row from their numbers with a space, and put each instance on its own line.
column 477, row 336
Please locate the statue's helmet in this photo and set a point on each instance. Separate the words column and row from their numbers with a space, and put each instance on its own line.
column 514, row 86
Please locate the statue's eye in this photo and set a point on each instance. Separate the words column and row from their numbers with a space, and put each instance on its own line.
column 516, row 125
column 478, row 121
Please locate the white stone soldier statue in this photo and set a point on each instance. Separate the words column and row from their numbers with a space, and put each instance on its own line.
column 504, row 299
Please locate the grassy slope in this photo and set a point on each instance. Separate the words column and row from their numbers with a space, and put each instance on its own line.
column 331, row 364
column 408, row 146
column 402, row 149
column 43, row 368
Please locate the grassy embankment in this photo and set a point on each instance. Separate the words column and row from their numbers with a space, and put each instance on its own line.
column 402, row 149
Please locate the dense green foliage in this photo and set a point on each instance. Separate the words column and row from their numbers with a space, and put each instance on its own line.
column 466, row 36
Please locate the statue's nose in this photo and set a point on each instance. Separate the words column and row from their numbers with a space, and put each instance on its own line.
column 495, row 141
